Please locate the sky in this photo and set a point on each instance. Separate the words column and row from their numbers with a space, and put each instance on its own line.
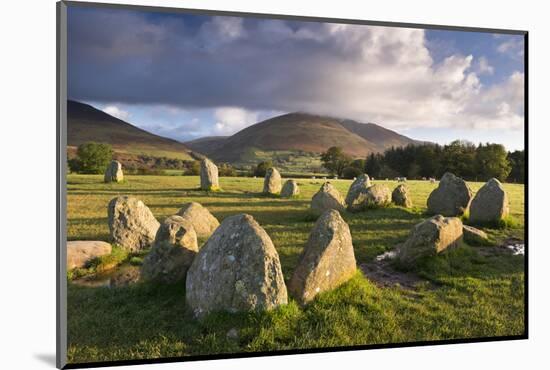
column 187, row 76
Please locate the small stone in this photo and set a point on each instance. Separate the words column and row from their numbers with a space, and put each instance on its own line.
column 272, row 181
column 209, row 175
column 113, row 173
column 290, row 189
column 326, row 198
column 80, row 252
column 131, row 223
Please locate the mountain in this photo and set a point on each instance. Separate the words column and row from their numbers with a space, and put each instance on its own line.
column 301, row 132
column 86, row 123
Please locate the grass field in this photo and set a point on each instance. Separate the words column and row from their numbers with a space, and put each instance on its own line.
column 466, row 292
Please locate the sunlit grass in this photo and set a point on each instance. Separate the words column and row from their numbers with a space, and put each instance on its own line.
column 467, row 294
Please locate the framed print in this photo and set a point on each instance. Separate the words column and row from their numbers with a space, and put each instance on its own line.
column 236, row 184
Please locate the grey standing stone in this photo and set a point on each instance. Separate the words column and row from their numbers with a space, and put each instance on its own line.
column 451, row 198
column 113, row 173
column 238, row 269
column 429, row 238
column 357, row 192
column 272, row 181
column 79, row 252
column 209, row 175
column 401, row 196
column 326, row 198
column 131, row 223
column 172, row 253
column 327, row 261
column 202, row 220
column 290, row 189
column 490, row 203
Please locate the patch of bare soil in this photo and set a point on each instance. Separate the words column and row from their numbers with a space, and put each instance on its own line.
column 508, row 246
column 384, row 275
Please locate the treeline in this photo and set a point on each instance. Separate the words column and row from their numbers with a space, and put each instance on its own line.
column 464, row 159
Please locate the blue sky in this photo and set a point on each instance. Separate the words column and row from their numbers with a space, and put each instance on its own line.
column 186, row 76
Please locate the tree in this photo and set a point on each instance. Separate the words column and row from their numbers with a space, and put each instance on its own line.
column 374, row 164
column 93, row 157
column 492, row 161
column 351, row 172
column 227, row 170
column 193, row 169
column 517, row 161
column 335, row 160
column 459, row 158
column 262, row 168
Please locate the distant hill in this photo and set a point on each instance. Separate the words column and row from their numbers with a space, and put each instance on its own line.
column 300, row 132
column 86, row 123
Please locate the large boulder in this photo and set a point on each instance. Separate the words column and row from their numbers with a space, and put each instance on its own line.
column 209, row 175
column 490, row 203
column 113, row 173
column 356, row 192
column 202, row 220
column 401, row 196
column 290, row 189
column 451, row 198
column 429, row 238
column 326, row 198
column 272, row 181
column 238, row 269
column 474, row 236
column 172, row 253
column 131, row 223
column 79, row 252
column 327, row 260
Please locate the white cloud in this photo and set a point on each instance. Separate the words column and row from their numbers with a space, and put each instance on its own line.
column 232, row 119
column 513, row 47
column 115, row 111
column 483, row 66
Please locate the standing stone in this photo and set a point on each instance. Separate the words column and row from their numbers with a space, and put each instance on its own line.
column 490, row 203
column 451, row 198
column 209, row 175
column 131, row 223
column 356, row 193
column 326, row 198
column 172, row 253
column 327, row 260
column 238, row 269
column 113, row 173
column 474, row 236
column 401, row 197
column 429, row 238
column 377, row 196
column 272, row 181
column 200, row 218
column 79, row 252
column 290, row 189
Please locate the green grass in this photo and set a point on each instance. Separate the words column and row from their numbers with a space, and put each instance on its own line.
column 467, row 294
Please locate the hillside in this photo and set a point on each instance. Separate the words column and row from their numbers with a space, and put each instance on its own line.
column 300, row 132
column 86, row 123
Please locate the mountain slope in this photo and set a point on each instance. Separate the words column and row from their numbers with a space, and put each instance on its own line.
column 86, row 123
column 301, row 132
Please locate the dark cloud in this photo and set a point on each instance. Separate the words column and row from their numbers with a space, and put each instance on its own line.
column 367, row 73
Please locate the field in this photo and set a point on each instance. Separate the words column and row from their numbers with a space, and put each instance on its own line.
column 467, row 292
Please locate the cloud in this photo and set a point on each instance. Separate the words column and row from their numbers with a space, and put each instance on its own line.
column 115, row 111
column 483, row 66
column 238, row 67
column 231, row 119
column 513, row 47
